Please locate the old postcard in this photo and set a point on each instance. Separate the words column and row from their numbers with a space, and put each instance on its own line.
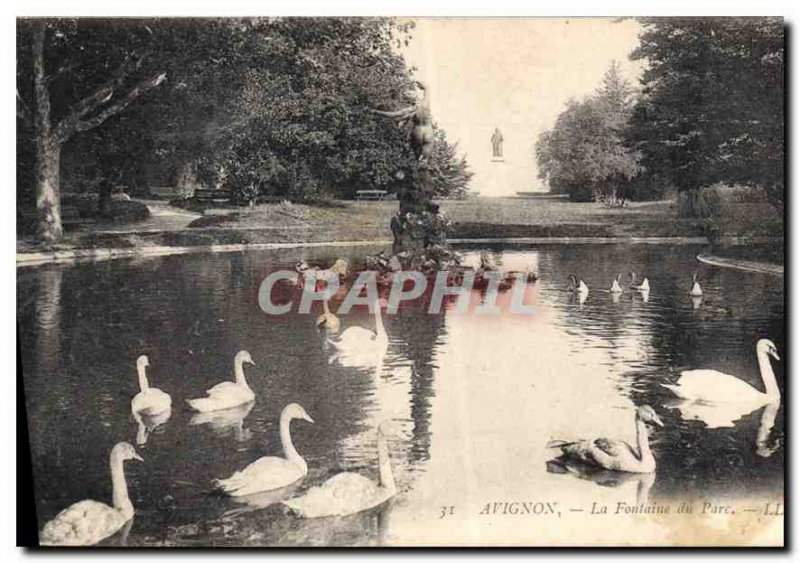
column 402, row 281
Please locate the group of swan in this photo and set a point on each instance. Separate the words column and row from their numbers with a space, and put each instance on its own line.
column 715, row 391
column 578, row 286
column 88, row 522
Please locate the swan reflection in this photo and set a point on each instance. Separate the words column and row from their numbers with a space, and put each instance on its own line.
column 262, row 500
column 765, row 447
column 605, row 477
column 148, row 423
column 228, row 422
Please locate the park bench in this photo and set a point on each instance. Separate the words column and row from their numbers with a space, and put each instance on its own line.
column 375, row 195
column 168, row 192
column 212, row 195
column 70, row 216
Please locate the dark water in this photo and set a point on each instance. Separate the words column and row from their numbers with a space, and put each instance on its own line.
column 473, row 399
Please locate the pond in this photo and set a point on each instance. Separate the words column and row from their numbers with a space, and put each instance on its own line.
column 472, row 399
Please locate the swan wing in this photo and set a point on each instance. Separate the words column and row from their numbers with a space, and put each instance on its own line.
column 151, row 402
column 343, row 494
column 353, row 336
column 264, row 474
column 716, row 415
column 714, row 386
column 84, row 523
column 600, row 452
column 223, row 395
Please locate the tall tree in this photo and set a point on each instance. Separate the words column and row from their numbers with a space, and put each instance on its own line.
column 113, row 85
column 711, row 108
column 585, row 154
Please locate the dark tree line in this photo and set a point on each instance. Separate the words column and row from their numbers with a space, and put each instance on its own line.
column 274, row 106
column 709, row 111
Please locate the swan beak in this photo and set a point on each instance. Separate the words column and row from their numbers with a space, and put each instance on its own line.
column 251, row 362
column 774, row 354
column 137, row 457
column 308, row 419
column 657, row 420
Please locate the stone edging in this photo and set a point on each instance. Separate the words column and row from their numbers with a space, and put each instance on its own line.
column 745, row 265
column 28, row 259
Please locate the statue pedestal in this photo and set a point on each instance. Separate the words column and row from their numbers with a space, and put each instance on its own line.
column 498, row 159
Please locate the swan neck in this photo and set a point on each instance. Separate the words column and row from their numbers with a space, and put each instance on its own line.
column 768, row 376
column 119, row 487
column 286, row 441
column 325, row 308
column 239, row 372
column 385, row 464
column 143, row 385
column 380, row 331
column 642, row 440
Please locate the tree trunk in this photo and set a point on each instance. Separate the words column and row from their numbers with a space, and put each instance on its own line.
column 48, row 203
column 48, row 150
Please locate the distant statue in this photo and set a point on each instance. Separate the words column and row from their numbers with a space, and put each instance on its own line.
column 497, row 143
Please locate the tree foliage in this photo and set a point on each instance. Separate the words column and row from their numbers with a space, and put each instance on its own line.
column 711, row 108
column 275, row 105
column 585, row 154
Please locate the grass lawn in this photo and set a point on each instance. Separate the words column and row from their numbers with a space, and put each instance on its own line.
column 497, row 217
column 473, row 218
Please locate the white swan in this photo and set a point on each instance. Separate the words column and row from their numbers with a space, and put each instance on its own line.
column 268, row 473
column 615, row 454
column 644, row 286
column 615, row 287
column 347, row 493
column 358, row 346
column 696, row 291
column 149, row 401
column 577, row 285
column 227, row 394
column 88, row 521
column 712, row 386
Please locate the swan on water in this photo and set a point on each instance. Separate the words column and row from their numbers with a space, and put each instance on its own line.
column 347, row 492
column 712, row 386
column 615, row 287
column 89, row 521
column 615, row 454
column 328, row 320
column 696, row 291
column 577, row 285
column 149, row 401
column 268, row 473
column 644, row 286
column 227, row 394
column 358, row 346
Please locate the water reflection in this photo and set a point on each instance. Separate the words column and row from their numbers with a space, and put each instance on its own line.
column 476, row 396
column 226, row 423
column 764, row 446
column 148, row 423
column 640, row 483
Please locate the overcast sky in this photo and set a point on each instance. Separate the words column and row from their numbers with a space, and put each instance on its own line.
column 516, row 74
